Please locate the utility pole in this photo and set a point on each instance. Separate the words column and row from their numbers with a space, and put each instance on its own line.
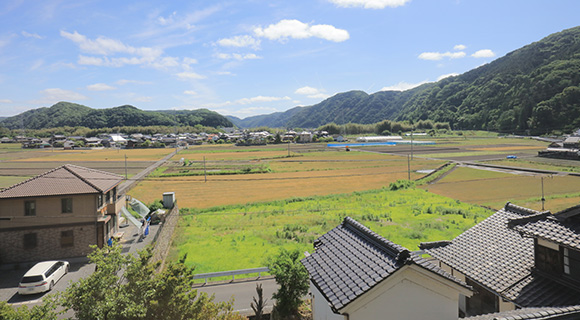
column 204, row 170
column 125, row 166
column 408, row 168
column 288, row 148
column 543, row 199
column 412, row 143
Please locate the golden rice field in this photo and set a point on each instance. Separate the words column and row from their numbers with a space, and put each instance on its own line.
column 315, row 173
column 494, row 189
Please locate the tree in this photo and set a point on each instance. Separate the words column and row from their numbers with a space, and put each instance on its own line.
column 292, row 278
column 45, row 311
column 128, row 287
column 259, row 304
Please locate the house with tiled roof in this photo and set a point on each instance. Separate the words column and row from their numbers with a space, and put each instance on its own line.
column 357, row 274
column 59, row 214
column 517, row 259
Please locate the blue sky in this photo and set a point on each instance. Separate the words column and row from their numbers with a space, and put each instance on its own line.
column 251, row 57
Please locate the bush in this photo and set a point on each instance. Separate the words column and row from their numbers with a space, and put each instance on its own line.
column 401, row 184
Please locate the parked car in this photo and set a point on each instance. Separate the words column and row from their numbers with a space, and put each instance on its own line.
column 42, row 277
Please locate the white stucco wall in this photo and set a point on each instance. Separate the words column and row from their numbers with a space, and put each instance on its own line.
column 320, row 308
column 412, row 293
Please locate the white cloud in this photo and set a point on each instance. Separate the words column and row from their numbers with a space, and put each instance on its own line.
column 307, row 90
column 485, row 53
column 106, row 46
column 443, row 76
column 240, row 42
column 31, row 35
column 258, row 99
column 108, row 52
column 438, row 55
column 190, row 76
column 243, row 112
column 299, row 30
column 370, row 4
column 311, row 92
column 402, row 86
column 459, row 47
column 5, row 101
column 123, row 82
column 100, row 87
column 237, row 56
column 190, row 92
column 52, row 95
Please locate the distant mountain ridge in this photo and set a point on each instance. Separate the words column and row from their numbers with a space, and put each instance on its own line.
column 534, row 89
column 71, row 114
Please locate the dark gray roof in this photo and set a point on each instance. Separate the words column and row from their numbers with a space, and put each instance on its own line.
column 537, row 290
column 490, row 253
column 561, row 313
column 351, row 259
column 496, row 256
column 562, row 228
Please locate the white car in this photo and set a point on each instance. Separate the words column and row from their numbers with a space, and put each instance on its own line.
column 42, row 277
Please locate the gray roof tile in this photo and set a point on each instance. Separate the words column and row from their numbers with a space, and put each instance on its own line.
column 548, row 313
column 351, row 259
column 64, row 180
column 495, row 255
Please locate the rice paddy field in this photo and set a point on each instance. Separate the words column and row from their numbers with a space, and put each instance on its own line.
column 17, row 164
column 241, row 204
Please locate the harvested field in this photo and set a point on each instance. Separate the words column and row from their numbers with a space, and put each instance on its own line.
column 494, row 189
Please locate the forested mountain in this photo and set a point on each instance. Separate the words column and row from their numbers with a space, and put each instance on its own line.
column 71, row 114
column 534, row 89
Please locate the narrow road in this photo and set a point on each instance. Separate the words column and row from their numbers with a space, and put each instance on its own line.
column 129, row 183
column 242, row 291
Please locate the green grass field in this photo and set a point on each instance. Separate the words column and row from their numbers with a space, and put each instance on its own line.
column 243, row 236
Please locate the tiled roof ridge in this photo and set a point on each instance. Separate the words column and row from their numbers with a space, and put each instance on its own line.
column 530, row 218
column 31, row 179
column 519, row 210
column 568, row 212
column 433, row 244
column 392, row 248
column 70, row 168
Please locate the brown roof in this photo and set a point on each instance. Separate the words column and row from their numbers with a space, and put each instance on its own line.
column 67, row 179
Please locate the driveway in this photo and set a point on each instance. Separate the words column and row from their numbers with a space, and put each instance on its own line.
column 9, row 280
column 79, row 268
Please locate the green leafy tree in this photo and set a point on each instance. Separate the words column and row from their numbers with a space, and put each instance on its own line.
column 44, row 311
column 129, row 287
column 292, row 278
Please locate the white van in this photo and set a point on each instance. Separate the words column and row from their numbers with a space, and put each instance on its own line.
column 42, row 277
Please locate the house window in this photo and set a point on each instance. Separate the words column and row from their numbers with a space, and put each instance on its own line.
column 548, row 260
column 67, row 238
column 100, row 201
column 571, row 263
column 30, row 241
column 29, row 208
column 67, row 205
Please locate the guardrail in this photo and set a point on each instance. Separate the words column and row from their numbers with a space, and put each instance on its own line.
column 232, row 273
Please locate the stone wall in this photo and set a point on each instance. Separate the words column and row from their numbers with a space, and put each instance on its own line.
column 164, row 236
column 49, row 243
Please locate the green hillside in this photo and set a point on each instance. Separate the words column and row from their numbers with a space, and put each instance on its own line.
column 71, row 114
column 535, row 89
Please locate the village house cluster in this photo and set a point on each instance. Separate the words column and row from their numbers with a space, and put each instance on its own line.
column 172, row 140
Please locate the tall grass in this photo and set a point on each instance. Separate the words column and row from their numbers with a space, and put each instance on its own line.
column 242, row 236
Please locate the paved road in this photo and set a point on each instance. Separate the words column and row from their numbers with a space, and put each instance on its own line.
column 79, row 268
column 243, row 291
